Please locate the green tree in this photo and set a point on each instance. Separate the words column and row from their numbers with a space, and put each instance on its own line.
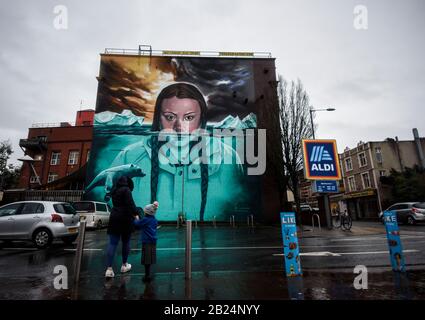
column 9, row 174
column 406, row 186
column 5, row 152
column 295, row 126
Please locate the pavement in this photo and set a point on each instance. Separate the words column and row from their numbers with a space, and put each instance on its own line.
column 228, row 263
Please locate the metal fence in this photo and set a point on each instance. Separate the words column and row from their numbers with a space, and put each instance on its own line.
column 41, row 195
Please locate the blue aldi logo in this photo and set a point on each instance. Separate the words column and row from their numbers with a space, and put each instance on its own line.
column 321, row 160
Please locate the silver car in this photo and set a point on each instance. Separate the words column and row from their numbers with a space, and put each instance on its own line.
column 39, row 221
column 407, row 212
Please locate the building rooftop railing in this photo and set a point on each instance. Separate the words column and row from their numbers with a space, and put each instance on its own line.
column 146, row 50
column 59, row 125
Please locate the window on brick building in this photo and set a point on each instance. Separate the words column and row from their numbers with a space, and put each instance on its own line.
column 378, row 154
column 348, row 164
column 362, row 160
column 366, row 180
column 34, row 179
column 352, row 184
column 52, row 177
column 73, row 157
column 55, row 159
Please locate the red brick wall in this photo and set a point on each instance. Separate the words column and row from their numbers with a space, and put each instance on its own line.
column 63, row 140
column 84, row 117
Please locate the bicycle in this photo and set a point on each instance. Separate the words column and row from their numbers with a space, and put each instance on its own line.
column 342, row 220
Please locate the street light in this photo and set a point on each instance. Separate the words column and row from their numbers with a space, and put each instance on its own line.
column 311, row 117
column 326, row 201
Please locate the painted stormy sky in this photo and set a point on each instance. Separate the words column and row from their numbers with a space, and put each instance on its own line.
column 375, row 78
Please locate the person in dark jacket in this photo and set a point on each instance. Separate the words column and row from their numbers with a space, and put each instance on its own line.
column 120, row 225
column 148, row 224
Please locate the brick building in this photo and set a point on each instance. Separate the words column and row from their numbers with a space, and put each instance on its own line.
column 363, row 166
column 60, row 152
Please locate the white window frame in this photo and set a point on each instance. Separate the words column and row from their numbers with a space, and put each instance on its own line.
column 380, row 154
column 55, row 161
column 50, row 179
column 34, row 179
column 365, row 159
column 74, row 160
column 349, row 184
column 363, row 180
column 346, row 166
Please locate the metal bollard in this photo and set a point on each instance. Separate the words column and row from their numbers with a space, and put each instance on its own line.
column 178, row 222
column 188, row 269
column 79, row 252
column 318, row 222
column 250, row 220
column 232, row 221
column 214, row 222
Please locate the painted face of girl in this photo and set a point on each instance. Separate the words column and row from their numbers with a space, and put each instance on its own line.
column 180, row 115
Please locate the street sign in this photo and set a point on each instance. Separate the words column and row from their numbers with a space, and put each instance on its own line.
column 394, row 242
column 321, row 160
column 291, row 249
column 325, row 186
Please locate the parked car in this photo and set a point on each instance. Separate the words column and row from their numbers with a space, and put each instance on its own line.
column 96, row 214
column 407, row 212
column 39, row 221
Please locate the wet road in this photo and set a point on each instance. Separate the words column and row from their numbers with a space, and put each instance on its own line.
column 240, row 263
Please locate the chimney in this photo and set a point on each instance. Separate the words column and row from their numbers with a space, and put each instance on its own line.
column 419, row 148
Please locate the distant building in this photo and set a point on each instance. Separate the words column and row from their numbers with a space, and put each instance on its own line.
column 60, row 152
column 363, row 166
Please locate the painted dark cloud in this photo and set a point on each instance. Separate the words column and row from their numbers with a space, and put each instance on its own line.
column 375, row 77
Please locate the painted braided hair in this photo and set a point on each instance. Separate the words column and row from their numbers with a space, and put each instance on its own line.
column 180, row 90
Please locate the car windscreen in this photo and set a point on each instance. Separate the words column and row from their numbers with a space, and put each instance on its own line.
column 64, row 208
column 84, row 206
column 419, row 205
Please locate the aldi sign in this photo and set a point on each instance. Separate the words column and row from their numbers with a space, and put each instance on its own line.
column 321, row 160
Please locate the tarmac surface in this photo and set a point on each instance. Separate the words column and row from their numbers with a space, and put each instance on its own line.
column 227, row 263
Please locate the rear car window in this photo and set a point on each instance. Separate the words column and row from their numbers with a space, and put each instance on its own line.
column 32, row 207
column 64, row 208
column 420, row 205
column 84, row 206
column 101, row 207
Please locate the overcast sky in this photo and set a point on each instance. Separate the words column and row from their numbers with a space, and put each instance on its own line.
column 375, row 78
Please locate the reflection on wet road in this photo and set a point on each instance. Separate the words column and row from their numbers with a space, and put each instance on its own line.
column 228, row 263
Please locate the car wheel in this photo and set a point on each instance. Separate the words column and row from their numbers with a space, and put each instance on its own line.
column 99, row 224
column 69, row 240
column 42, row 238
column 411, row 221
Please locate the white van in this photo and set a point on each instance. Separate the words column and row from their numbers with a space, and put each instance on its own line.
column 96, row 214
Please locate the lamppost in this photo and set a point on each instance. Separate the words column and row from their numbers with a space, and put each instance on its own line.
column 326, row 202
column 311, row 117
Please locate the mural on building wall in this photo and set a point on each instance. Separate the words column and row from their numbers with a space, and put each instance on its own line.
column 157, row 120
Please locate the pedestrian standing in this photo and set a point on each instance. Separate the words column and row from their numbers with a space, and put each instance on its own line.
column 148, row 225
column 120, row 225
